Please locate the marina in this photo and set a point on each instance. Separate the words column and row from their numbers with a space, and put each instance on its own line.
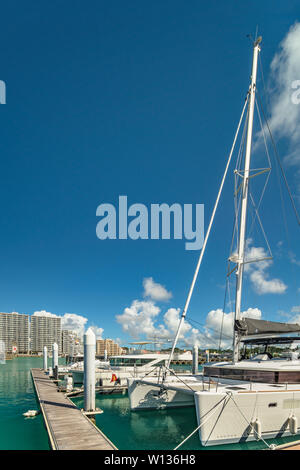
column 157, row 430
column 150, row 256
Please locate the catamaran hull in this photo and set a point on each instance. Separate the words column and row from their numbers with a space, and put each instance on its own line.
column 226, row 418
column 246, row 416
column 150, row 396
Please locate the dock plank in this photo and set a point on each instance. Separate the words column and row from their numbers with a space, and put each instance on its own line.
column 68, row 428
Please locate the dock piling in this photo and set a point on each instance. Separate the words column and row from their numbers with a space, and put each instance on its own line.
column 89, row 370
column 207, row 355
column 45, row 358
column 54, row 356
column 195, row 360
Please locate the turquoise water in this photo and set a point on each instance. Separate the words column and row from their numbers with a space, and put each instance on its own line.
column 16, row 397
column 155, row 430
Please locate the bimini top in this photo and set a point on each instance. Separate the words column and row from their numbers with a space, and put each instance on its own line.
column 253, row 327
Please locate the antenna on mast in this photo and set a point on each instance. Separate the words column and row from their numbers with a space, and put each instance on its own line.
column 256, row 41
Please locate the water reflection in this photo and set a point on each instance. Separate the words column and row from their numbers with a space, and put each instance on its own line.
column 162, row 429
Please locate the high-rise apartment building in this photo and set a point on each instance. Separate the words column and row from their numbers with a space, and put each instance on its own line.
column 14, row 332
column 71, row 344
column 44, row 331
column 67, row 342
column 112, row 348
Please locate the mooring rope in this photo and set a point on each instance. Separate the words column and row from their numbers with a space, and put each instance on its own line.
column 213, row 410
column 270, row 446
column 177, row 377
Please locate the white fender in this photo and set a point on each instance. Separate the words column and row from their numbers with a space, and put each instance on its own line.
column 293, row 424
column 257, row 428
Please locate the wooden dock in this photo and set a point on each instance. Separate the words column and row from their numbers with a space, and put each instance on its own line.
column 289, row 446
column 68, row 428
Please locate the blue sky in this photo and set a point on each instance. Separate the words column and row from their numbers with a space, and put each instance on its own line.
column 139, row 99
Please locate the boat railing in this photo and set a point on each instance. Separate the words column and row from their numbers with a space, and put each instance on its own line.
column 213, row 383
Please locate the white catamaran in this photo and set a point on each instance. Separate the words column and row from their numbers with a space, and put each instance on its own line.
column 254, row 396
column 120, row 368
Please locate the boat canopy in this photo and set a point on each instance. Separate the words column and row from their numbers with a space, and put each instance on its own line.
column 251, row 326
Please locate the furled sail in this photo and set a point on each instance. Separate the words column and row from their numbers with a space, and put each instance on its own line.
column 252, row 326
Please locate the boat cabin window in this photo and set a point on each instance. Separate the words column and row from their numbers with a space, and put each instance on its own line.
column 274, row 352
column 125, row 361
column 261, row 357
column 258, row 363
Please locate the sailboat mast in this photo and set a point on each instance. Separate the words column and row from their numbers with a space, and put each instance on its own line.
column 244, row 200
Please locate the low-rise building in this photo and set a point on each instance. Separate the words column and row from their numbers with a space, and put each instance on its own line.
column 108, row 345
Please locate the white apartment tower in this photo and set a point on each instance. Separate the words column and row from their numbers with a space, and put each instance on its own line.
column 44, row 331
column 70, row 343
column 14, row 332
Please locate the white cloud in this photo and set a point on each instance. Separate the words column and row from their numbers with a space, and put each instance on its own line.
column 293, row 259
column 214, row 324
column 74, row 322
column 293, row 316
column 284, row 92
column 284, row 97
column 285, row 69
column 140, row 320
column 258, row 274
column 266, row 286
column 172, row 319
column 97, row 331
column 44, row 313
column 295, row 319
column 155, row 291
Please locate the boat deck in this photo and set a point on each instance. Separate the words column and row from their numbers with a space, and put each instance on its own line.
column 68, row 428
column 191, row 384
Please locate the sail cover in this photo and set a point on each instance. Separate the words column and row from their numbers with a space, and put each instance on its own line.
column 251, row 326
